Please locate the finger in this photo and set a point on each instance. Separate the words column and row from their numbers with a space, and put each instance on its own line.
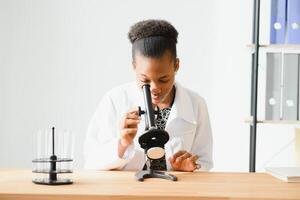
column 173, row 158
column 132, row 114
column 179, row 153
column 127, row 123
column 183, row 157
column 192, row 162
column 128, row 132
column 131, row 122
column 194, row 158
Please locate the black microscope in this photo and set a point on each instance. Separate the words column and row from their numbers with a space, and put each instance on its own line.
column 152, row 141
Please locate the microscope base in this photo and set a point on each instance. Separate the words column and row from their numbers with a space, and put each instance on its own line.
column 141, row 175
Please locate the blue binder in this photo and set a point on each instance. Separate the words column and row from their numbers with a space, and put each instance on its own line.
column 293, row 22
column 278, row 21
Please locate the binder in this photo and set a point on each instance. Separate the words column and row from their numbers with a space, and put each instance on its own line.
column 273, row 87
column 278, row 21
column 293, row 22
column 290, row 87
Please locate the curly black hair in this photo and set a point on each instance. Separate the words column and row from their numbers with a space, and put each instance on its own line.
column 152, row 38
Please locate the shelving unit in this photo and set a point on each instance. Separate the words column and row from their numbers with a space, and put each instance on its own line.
column 250, row 120
column 280, row 48
column 258, row 48
column 254, row 81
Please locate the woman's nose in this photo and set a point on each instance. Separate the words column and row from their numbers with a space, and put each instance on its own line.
column 155, row 89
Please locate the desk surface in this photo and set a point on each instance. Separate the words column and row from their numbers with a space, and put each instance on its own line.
column 16, row 184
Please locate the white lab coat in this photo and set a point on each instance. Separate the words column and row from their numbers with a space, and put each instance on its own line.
column 188, row 126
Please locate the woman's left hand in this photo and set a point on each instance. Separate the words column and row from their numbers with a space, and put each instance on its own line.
column 184, row 161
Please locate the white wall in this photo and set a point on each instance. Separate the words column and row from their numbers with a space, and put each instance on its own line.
column 57, row 59
column 230, row 103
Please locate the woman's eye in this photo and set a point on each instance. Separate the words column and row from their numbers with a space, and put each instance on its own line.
column 164, row 81
column 144, row 81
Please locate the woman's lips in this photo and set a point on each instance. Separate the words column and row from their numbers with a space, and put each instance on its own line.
column 156, row 98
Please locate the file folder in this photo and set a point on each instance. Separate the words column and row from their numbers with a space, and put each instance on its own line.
column 290, row 87
column 278, row 21
column 293, row 21
column 273, row 87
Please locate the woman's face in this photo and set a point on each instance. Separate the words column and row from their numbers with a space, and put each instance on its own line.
column 159, row 73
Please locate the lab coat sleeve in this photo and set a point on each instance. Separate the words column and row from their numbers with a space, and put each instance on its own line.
column 102, row 139
column 203, row 143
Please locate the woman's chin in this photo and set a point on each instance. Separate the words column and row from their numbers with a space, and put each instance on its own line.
column 155, row 101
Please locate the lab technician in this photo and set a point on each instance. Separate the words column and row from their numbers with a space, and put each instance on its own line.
column 112, row 136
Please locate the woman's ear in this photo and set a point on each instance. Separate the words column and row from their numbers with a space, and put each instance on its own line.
column 176, row 66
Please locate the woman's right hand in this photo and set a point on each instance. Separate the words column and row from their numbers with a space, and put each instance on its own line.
column 129, row 127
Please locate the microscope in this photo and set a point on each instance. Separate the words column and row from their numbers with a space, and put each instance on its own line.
column 152, row 141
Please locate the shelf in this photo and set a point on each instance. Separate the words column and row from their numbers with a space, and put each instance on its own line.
column 44, row 160
column 296, row 122
column 285, row 48
column 48, row 171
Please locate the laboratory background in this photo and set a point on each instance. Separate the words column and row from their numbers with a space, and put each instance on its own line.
column 58, row 58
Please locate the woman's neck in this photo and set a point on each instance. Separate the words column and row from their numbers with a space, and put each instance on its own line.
column 169, row 100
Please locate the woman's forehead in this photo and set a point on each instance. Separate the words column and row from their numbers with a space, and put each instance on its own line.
column 167, row 56
column 161, row 63
column 160, row 69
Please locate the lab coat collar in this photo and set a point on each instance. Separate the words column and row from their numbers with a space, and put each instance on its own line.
column 182, row 106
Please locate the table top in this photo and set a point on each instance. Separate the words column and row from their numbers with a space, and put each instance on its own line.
column 17, row 184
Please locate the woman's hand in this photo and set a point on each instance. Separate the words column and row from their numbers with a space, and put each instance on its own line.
column 184, row 161
column 129, row 127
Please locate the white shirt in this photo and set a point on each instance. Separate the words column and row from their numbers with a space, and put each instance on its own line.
column 188, row 126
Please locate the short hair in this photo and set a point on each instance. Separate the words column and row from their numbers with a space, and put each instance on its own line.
column 152, row 38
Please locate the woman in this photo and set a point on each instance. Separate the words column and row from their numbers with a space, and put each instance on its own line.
column 112, row 136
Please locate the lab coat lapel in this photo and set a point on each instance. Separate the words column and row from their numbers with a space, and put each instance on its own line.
column 181, row 124
column 182, row 109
